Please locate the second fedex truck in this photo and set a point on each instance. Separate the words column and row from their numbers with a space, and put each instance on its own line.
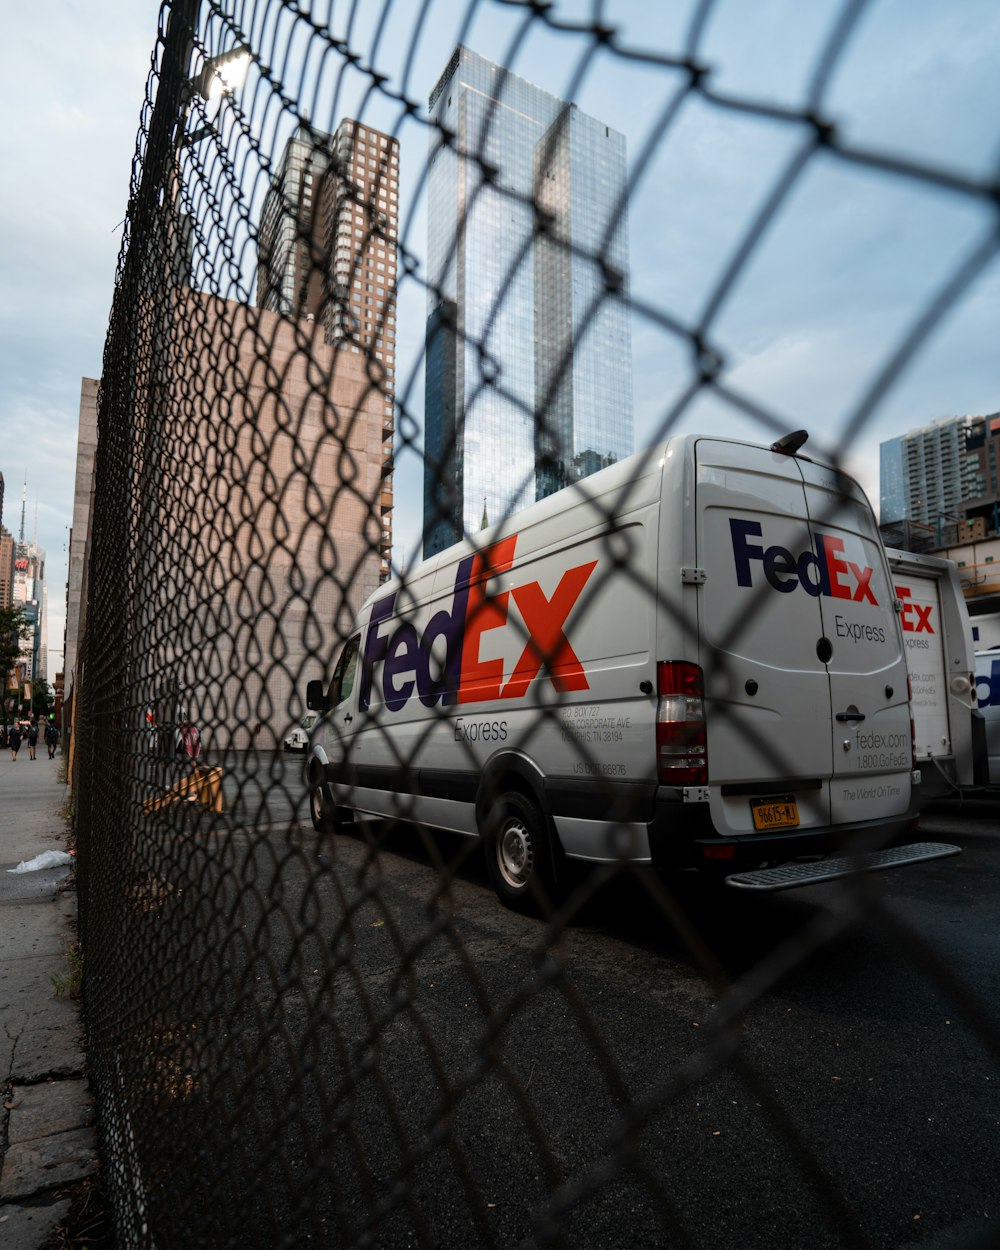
column 937, row 638
column 692, row 658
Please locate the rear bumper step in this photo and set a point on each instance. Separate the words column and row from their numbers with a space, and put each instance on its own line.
column 788, row 876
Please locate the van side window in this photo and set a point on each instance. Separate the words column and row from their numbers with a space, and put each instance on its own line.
column 345, row 672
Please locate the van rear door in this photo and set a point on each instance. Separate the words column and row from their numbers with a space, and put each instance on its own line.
column 924, row 638
column 767, row 690
column 937, row 637
column 805, row 674
column 872, row 745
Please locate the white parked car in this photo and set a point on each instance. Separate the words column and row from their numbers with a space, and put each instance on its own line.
column 298, row 739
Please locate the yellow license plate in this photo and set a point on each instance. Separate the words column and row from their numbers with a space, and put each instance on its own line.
column 774, row 814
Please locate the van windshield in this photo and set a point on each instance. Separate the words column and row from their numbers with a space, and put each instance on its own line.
column 346, row 670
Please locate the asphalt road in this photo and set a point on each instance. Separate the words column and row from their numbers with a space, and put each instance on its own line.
column 389, row 1057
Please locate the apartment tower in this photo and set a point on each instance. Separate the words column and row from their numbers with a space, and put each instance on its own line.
column 328, row 238
column 932, row 474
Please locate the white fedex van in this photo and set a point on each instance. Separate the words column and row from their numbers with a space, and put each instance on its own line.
column 691, row 658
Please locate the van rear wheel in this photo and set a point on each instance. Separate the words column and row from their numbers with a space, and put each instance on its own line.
column 519, row 855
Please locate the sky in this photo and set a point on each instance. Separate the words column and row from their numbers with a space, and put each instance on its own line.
column 849, row 262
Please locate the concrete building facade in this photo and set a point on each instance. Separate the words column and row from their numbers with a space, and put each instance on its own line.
column 79, row 547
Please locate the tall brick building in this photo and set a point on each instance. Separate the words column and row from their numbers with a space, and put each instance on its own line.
column 260, row 535
column 327, row 253
column 6, row 567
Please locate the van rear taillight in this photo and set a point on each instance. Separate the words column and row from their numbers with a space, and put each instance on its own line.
column 681, row 749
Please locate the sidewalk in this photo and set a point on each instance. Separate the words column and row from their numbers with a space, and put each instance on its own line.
column 47, row 1141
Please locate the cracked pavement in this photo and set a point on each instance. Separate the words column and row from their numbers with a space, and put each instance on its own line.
column 47, row 1139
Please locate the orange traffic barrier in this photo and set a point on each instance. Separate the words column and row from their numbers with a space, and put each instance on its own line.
column 204, row 786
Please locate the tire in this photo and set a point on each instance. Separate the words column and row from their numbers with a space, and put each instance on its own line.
column 326, row 816
column 320, row 808
column 519, row 855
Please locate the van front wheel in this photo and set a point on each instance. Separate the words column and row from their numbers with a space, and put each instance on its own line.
column 518, row 854
column 319, row 807
column 326, row 816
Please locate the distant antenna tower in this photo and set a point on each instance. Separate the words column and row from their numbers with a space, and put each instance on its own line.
column 24, row 500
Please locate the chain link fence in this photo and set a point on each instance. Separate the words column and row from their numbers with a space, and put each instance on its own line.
column 307, row 1030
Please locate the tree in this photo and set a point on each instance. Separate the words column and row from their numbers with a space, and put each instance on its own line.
column 14, row 628
column 42, row 698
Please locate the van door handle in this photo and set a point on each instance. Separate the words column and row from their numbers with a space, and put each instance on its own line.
column 348, row 718
column 850, row 716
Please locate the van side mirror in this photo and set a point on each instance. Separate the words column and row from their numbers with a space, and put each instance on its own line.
column 315, row 698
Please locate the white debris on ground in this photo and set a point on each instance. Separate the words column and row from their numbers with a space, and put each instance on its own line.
column 47, row 859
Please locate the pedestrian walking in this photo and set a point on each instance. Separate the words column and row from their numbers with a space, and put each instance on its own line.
column 32, row 739
column 51, row 739
column 14, row 738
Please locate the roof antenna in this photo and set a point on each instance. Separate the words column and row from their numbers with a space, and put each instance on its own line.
column 790, row 443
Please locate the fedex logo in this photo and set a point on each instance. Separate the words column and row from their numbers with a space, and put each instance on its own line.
column 464, row 675
column 916, row 619
column 819, row 572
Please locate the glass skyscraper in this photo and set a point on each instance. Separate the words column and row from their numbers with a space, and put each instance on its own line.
column 892, row 480
column 529, row 356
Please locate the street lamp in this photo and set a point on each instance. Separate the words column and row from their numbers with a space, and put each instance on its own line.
column 221, row 75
